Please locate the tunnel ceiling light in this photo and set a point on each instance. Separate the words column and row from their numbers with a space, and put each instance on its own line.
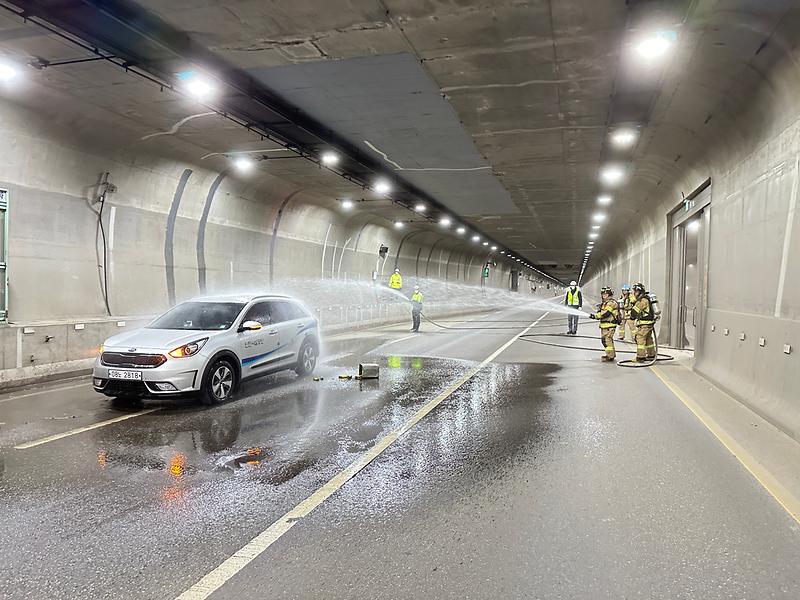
column 461, row 230
column 598, row 217
column 623, row 138
column 502, row 251
column 197, row 85
column 595, row 227
column 399, row 224
column 382, row 186
column 485, row 243
column 476, row 238
column 420, row 207
column 604, row 199
column 612, row 174
column 494, row 247
column 347, row 204
column 445, row 221
column 655, row 45
column 593, row 236
column 8, row 71
column 518, row 260
column 244, row 164
column 329, row 158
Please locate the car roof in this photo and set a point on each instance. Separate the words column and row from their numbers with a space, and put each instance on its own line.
column 244, row 298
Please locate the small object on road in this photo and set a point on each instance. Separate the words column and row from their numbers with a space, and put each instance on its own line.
column 345, row 377
column 318, row 378
column 368, row 371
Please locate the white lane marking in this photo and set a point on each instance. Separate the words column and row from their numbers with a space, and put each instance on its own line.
column 59, row 436
column 48, row 391
column 216, row 578
column 408, row 337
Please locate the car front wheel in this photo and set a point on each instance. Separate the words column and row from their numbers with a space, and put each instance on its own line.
column 219, row 384
column 306, row 359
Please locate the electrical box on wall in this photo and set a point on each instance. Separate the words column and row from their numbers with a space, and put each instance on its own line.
column 787, row 348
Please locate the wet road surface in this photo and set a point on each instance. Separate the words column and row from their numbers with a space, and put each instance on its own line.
column 546, row 475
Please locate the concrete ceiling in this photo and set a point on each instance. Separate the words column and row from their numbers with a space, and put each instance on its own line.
column 536, row 86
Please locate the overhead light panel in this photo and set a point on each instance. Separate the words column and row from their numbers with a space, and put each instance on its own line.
column 8, row 71
column 461, row 230
column 485, row 243
column 347, row 204
column 598, row 217
column 593, row 235
column 197, row 85
column 612, row 174
column 623, row 138
column 494, row 247
column 502, row 251
column 243, row 164
column 476, row 238
column 656, row 44
column 329, row 158
column 595, row 227
column 604, row 199
column 445, row 221
column 420, row 207
column 399, row 224
column 382, row 186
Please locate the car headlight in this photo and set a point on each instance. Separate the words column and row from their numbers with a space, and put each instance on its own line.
column 189, row 349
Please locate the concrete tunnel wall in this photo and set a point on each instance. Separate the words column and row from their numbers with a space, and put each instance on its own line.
column 51, row 163
column 752, row 157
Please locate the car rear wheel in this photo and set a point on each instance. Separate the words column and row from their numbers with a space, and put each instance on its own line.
column 219, row 384
column 306, row 359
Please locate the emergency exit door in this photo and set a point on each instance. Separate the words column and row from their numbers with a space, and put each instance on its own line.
column 688, row 269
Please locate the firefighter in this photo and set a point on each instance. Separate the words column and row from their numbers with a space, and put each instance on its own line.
column 642, row 313
column 608, row 315
column 396, row 280
column 416, row 308
column 625, row 304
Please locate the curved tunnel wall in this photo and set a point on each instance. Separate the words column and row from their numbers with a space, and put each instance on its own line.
column 175, row 226
column 752, row 156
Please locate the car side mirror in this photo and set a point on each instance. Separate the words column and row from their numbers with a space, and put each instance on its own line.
column 250, row 326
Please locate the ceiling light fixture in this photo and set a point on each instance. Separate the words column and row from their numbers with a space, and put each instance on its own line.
column 612, row 174
column 329, row 158
column 461, row 230
column 593, row 236
column 420, row 207
column 655, row 45
column 595, row 227
column 604, row 199
column 399, row 224
column 8, row 72
column 623, row 138
column 196, row 85
column 445, row 221
column 476, row 238
column 485, row 243
column 494, row 247
column 382, row 186
column 347, row 204
column 598, row 217
column 243, row 164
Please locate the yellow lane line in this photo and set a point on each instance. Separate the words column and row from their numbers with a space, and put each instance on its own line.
column 217, row 577
column 59, row 436
column 788, row 501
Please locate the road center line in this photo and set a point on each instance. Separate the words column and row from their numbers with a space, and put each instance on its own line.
column 216, row 578
column 45, row 391
column 58, row 436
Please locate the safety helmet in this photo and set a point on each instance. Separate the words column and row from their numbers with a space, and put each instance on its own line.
column 573, row 283
column 606, row 290
column 397, row 270
column 416, row 288
column 626, row 287
column 639, row 287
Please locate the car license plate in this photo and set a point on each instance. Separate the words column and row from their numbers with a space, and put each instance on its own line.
column 114, row 374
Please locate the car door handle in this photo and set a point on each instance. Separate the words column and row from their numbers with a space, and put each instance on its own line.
column 273, row 332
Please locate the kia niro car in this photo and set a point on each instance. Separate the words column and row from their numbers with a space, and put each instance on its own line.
column 208, row 346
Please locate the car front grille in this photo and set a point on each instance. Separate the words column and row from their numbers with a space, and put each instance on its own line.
column 132, row 361
column 123, row 387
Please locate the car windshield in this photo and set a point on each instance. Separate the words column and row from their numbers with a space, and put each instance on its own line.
column 199, row 316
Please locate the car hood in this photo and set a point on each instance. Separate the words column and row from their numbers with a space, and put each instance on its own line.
column 156, row 339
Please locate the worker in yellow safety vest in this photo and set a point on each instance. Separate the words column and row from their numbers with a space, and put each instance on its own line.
column 608, row 315
column 642, row 313
column 416, row 308
column 396, row 280
column 573, row 299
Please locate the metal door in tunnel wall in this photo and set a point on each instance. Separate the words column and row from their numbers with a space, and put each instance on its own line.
column 688, row 269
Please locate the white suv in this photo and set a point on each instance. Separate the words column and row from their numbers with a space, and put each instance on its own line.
column 208, row 346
